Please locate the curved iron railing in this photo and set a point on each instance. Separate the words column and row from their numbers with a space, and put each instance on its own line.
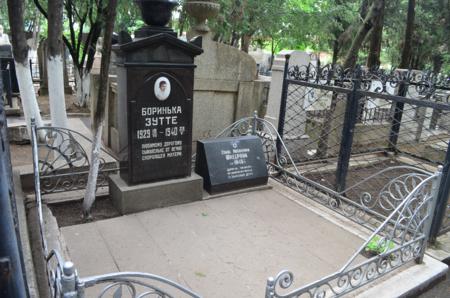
column 369, row 210
column 410, row 198
column 402, row 237
column 62, row 276
column 399, row 215
column 62, row 161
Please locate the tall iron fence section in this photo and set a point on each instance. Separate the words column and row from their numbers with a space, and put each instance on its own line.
column 343, row 125
column 12, row 272
column 37, row 77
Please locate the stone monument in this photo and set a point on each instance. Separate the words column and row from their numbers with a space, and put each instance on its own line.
column 155, row 77
column 226, row 83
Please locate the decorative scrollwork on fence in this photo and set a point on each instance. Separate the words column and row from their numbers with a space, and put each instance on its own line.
column 269, row 136
column 62, row 277
column 423, row 84
column 65, row 282
column 402, row 237
column 63, row 164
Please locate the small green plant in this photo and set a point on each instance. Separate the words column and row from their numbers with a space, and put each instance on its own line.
column 379, row 245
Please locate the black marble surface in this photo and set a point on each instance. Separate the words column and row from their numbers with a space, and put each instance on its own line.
column 231, row 163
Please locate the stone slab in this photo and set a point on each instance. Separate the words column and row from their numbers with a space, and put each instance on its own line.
column 226, row 247
column 131, row 199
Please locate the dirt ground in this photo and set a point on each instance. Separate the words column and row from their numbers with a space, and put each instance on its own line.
column 355, row 175
column 69, row 213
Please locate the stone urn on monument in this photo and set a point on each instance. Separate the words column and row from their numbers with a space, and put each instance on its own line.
column 201, row 11
column 155, row 76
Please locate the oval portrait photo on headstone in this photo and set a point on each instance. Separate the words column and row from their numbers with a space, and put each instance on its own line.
column 162, row 88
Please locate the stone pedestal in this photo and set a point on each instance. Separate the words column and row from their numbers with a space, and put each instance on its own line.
column 137, row 198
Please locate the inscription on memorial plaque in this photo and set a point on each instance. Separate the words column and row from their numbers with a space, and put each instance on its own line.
column 160, row 134
column 231, row 163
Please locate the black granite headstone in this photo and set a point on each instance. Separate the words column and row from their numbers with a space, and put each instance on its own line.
column 231, row 163
column 161, row 128
column 155, row 83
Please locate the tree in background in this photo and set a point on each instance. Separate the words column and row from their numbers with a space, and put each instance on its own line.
column 107, row 21
column 374, row 13
column 84, row 27
column 55, row 64
column 20, row 51
column 376, row 38
column 406, row 56
column 241, row 21
column 128, row 17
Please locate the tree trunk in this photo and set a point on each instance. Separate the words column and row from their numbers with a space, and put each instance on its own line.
column 55, row 64
column 182, row 21
column 337, row 33
column 352, row 55
column 245, row 42
column 336, row 50
column 272, row 53
column 20, row 50
column 350, row 62
column 438, row 60
column 83, row 85
column 36, row 30
column 373, row 60
column 407, row 44
column 82, row 50
column 99, row 112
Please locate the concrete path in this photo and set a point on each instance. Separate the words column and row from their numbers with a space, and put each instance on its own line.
column 226, row 247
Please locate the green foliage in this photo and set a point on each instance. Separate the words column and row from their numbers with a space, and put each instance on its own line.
column 128, row 17
column 32, row 16
column 293, row 24
column 379, row 245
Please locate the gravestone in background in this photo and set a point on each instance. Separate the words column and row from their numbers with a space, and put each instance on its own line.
column 7, row 63
column 228, row 164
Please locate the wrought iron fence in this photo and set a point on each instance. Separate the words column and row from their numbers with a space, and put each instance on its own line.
column 363, row 122
column 59, row 170
column 366, row 115
column 63, row 164
column 34, row 69
column 37, row 76
column 399, row 214
column 401, row 238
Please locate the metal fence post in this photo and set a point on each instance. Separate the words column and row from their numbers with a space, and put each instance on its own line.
column 397, row 119
column 431, row 209
column 69, row 281
column 282, row 115
column 348, row 130
column 12, row 273
column 442, row 201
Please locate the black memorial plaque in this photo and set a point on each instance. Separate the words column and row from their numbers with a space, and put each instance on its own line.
column 231, row 163
column 160, row 122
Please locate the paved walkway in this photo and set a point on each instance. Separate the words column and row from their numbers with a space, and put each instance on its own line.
column 226, row 247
